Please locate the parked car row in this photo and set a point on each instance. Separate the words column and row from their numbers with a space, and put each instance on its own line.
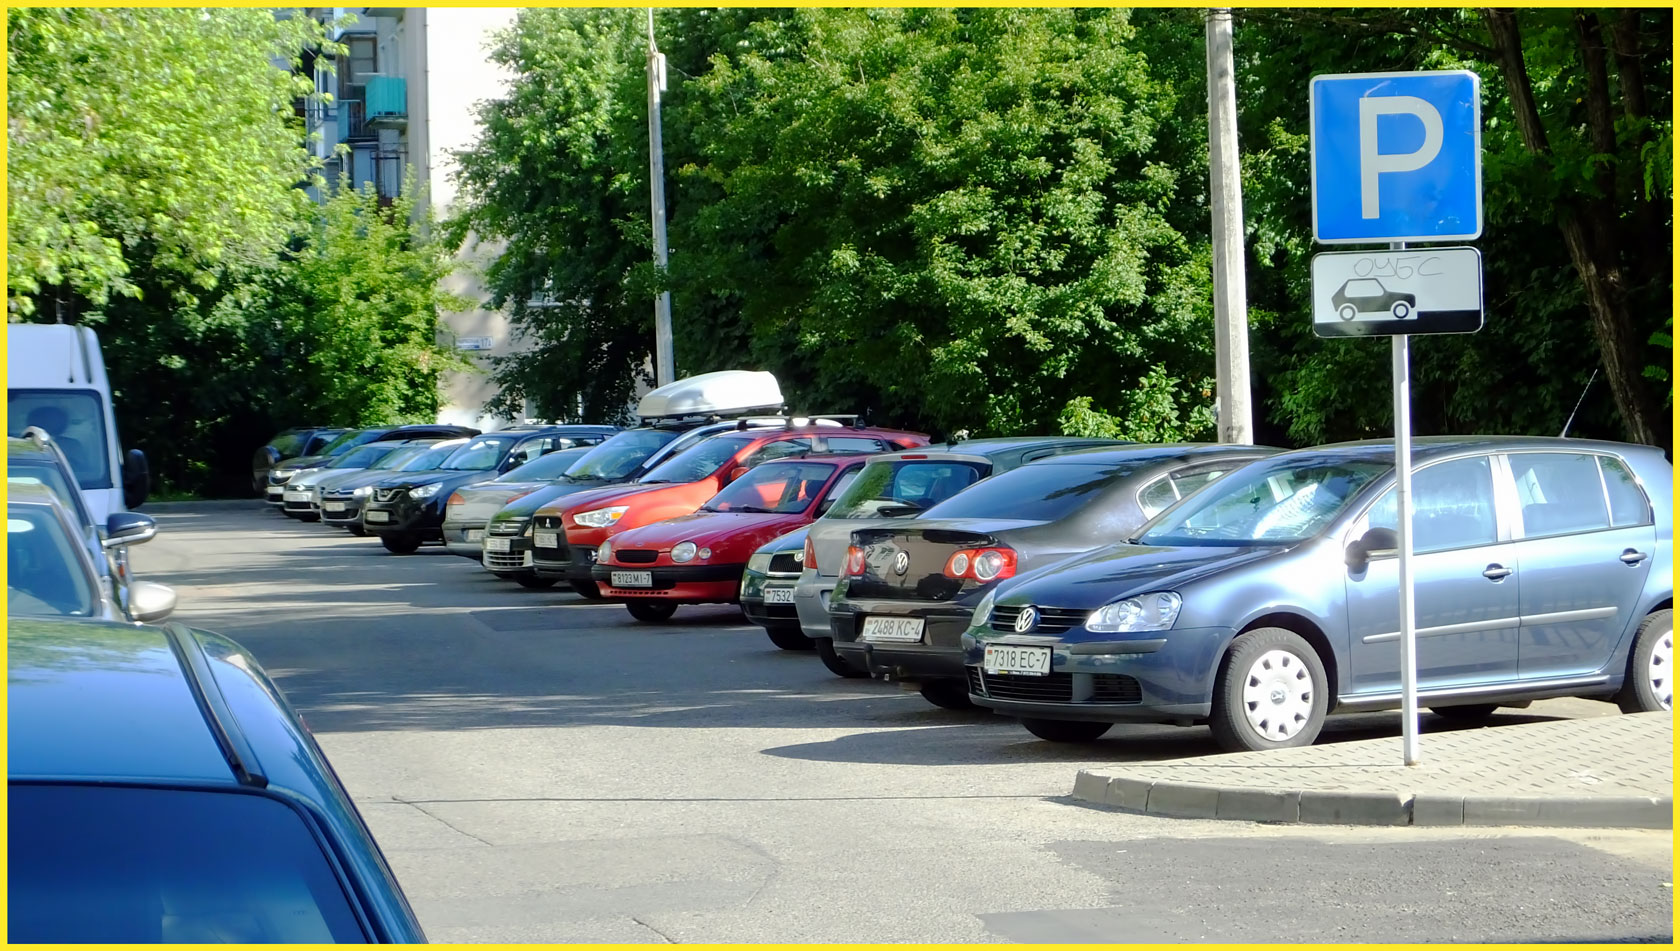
column 1078, row 583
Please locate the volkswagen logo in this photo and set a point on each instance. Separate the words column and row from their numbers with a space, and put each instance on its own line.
column 1026, row 620
column 901, row 563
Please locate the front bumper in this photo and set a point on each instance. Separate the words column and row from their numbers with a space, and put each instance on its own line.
column 402, row 516
column 298, row 501
column 348, row 513
column 560, row 560
column 938, row 655
column 1153, row 677
column 753, row 592
column 686, row 583
column 275, row 494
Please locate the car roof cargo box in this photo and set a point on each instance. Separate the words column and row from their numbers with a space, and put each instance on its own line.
column 724, row 393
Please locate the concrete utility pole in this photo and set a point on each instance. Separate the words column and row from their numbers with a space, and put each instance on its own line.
column 664, row 357
column 1230, row 298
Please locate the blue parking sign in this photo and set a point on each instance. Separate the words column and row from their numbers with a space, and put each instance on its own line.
column 1396, row 157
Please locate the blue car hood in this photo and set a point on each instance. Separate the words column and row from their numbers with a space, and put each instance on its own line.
column 1118, row 571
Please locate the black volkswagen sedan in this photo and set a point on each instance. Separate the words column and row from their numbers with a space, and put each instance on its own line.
column 908, row 589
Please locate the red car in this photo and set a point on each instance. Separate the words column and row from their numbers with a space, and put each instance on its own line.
column 681, row 483
column 698, row 558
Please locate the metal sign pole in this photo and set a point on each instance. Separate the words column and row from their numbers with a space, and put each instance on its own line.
column 1403, row 517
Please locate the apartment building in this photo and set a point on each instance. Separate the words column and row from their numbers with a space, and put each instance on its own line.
column 401, row 100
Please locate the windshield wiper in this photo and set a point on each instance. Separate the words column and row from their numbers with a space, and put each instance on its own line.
column 750, row 508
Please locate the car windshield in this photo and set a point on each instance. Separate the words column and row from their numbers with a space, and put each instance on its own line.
column 699, row 461
column 44, row 577
column 36, row 473
column 779, row 487
column 288, row 443
column 431, row 458
column 361, row 457
column 350, row 440
column 619, row 456
column 1277, row 501
column 544, row 468
column 75, row 419
column 1040, row 493
column 130, row 865
column 898, row 487
column 479, row 454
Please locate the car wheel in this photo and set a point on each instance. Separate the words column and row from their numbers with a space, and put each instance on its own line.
column 1065, row 731
column 1465, row 712
column 789, row 637
column 356, row 530
column 535, row 583
column 1347, row 311
column 837, row 665
column 949, row 693
column 1400, row 309
column 1650, row 678
column 400, row 544
column 1271, row 692
column 588, row 589
column 651, row 610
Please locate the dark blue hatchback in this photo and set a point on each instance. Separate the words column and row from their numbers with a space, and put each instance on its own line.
column 162, row 790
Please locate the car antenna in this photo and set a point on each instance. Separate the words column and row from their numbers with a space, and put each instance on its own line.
column 1577, row 408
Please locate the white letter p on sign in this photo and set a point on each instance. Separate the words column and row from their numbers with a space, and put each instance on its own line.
column 1372, row 164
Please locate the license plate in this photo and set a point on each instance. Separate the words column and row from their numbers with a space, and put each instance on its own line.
column 1003, row 659
column 632, row 579
column 778, row 595
column 475, row 534
column 906, row 629
column 297, row 496
column 546, row 539
column 332, row 506
column 377, row 516
column 498, row 544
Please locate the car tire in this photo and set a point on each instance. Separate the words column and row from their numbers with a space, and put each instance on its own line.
column 837, row 665
column 1271, row 692
column 789, row 637
column 587, row 589
column 1065, row 731
column 1649, row 685
column 1465, row 712
column 356, row 530
column 651, row 610
column 1400, row 309
column 400, row 544
column 535, row 583
column 947, row 693
column 1347, row 312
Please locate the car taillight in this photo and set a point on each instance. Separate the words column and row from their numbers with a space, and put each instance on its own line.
column 854, row 560
column 810, row 559
column 456, row 498
column 982, row 564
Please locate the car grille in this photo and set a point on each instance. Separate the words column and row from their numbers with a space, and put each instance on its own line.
column 1055, row 688
column 1050, row 620
column 635, row 556
column 508, row 527
column 507, row 561
column 387, row 495
column 546, row 522
column 786, row 563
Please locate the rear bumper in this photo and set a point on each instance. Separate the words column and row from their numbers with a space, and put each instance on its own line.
column 939, row 654
column 810, row 601
column 455, row 538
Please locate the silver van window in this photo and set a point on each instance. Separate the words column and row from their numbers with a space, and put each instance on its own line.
column 75, row 419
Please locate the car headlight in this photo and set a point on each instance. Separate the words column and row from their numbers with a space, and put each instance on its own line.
column 425, row 491
column 1146, row 612
column 683, row 552
column 361, row 492
column 983, row 610
column 759, row 562
column 527, row 531
column 601, row 518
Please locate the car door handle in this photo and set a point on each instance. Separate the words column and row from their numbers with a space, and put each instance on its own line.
column 1633, row 556
column 1496, row 573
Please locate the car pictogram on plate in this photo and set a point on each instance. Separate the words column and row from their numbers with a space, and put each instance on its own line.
column 1368, row 296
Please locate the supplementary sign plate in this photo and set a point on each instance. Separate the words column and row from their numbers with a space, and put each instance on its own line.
column 1382, row 293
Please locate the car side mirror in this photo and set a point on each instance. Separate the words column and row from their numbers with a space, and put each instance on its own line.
column 137, row 479
column 1375, row 543
column 128, row 528
column 149, row 601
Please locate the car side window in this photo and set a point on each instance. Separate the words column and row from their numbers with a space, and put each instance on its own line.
column 855, row 444
column 1452, row 507
column 780, row 449
column 1560, row 493
column 1628, row 504
column 1157, row 496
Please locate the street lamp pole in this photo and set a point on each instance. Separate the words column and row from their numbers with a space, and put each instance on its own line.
column 1234, row 415
column 664, row 356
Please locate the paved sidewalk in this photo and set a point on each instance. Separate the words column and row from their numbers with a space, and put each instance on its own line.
column 1602, row 772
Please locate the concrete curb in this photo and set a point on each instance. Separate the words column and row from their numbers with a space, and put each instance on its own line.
column 1139, row 794
column 203, row 505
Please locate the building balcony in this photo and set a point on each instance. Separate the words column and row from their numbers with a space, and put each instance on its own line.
column 387, row 102
column 352, row 121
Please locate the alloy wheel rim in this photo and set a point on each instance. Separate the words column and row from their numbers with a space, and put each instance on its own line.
column 1278, row 695
column 1658, row 671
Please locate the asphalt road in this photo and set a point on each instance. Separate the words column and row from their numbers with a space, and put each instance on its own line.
column 540, row 768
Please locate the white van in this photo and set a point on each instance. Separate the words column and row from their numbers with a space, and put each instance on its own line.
column 55, row 379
